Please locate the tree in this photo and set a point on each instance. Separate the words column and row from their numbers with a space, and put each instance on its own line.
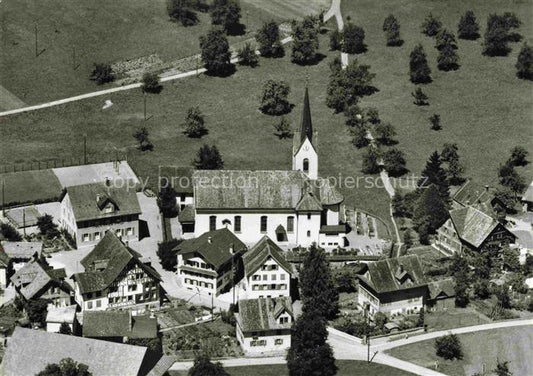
column 502, row 368
column 511, row 259
column 66, row 367
column 335, row 40
column 421, row 318
column 353, row 39
column 455, row 169
column 357, row 82
column 435, row 122
column 167, row 255
column 182, row 11
column 511, row 179
column 502, row 295
column 370, row 162
column 434, row 173
column 274, row 98
column 398, row 205
column 37, row 310
column 496, row 36
column 102, row 73
column 166, row 200
column 247, row 56
column 9, row 232
column 283, row 129
column 518, row 156
column 65, row 328
column 151, row 84
column 226, row 13
column 524, row 63
column 482, row 289
column 372, row 116
column 380, row 319
column 445, row 38
column 309, row 353
column 47, row 227
column 421, row 99
column 461, row 294
column 385, row 133
column 345, row 279
column 407, row 238
column 215, row 52
column 317, row 288
column 141, row 135
column 418, row 66
column 449, row 347
column 394, row 162
column 305, row 41
column 359, row 137
column 194, row 123
column 203, row 367
column 447, row 59
column 208, row 158
column 430, row 210
column 391, row 27
column 269, row 41
column 336, row 92
column 468, row 27
column 431, row 26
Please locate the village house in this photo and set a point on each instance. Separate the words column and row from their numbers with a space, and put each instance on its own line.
column 266, row 272
column 55, row 317
column 116, row 277
column 118, row 326
column 88, row 211
column 20, row 253
column 527, row 199
column 4, row 268
column 264, row 325
column 440, row 295
column 393, row 286
column 38, row 280
column 210, row 263
column 470, row 229
column 28, row 352
column 294, row 208
column 482, row 197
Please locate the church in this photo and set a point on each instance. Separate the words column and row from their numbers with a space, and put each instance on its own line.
column 293, row 207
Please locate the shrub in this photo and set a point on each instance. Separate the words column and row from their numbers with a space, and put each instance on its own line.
column 431, row 26
column 283, row 129
column 247, row 56
column 468, row 27
column 9, row 232
column 391, row 27
column 195, row 123
column 102, row 73
column 335, row 40
column 353, row 39
column 449, row 347
column 182, row 11
column 208, row 158
column 418, row 66
column 421, row 99
column 274, row 98
column 151, row 83
column 435, row 122
column 524, row 63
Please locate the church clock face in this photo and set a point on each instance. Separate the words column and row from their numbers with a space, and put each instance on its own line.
column 306, row 147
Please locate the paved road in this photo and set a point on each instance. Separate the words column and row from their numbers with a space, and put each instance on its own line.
column 112, row 90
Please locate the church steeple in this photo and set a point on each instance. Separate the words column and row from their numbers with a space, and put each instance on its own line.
column 306, row 128
column 304, row 155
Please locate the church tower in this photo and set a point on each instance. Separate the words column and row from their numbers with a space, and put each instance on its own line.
column 304, row 155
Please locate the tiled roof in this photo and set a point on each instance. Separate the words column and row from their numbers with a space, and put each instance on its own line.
column 62, row 314
column 118, row 324
column 472, row 193
column 443, row 286
column 187, row 214
column 33, row 277
column 113, row 256
column 308, row 202
column 163, row 365
column 328, row 193
column 261, row 314
column 22, row 250
column 472, row 225
column 30, row 351
column 23, row 216
column 213, row 246
column 528, row 195
column 394, row 274
column 4, row 259
column 333, row 229
column 85, row 198
column 261, row 252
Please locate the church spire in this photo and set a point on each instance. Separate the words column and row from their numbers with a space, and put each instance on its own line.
column 306, row 129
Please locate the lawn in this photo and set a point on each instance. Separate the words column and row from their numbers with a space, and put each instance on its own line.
column 346, row 368
column 30, row 186
column 93, row 31
column 454, row 318
column 244, row 136
column 511, row 344
column 484, row 107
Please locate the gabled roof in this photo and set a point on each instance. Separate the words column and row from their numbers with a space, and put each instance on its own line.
column 34, row 276
column 111, row 255
column 261, row 252
column 308, row 202
column 395, row 274
column 441, row 287
column 30, row 351
column 187, row 214
column 89, row 200
column 262, row 314
column 213, row 246
column 473, row 193
column 22, row 250
column 528, row 195
column 472, row 225
column 61, row 314
column 100, row 324
column 306, row 126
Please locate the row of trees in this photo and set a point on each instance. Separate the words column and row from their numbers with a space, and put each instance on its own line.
column 350, row 40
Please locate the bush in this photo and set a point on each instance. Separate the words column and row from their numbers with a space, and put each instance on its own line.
column 194, row 123
column 449, row 347
column 353, row 39
column 283, row 129
column 102, row 73
column 524, row 63
column 435, row 122
column 182, row 11
column 47, row 227
column 151, row 83
column 335, row 40
column 208, row 158
column 247, row 56
column 10, row 233
column 268, row 38
column 468, row 27
column 418, row 66
column 274, row 98
column 391, row 27
column 421, row 99
column 431, row 26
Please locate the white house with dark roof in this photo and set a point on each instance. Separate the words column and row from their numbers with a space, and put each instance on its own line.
column 264, row 325
column 210, row 263
column 267, row 274
column 88, row 211
column 292, row 207
column 527, row 199
column 55, row 317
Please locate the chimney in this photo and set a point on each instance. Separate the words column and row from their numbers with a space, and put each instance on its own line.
column 209, row 240
column 487, row 187
column 107, row 182
column 401, row 268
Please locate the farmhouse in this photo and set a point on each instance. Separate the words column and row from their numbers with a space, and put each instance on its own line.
column 471, row 229
column 266, row 272
column 211, row 262
column 115, row 277
column 480, row 196
column 393, row 286
column 88, row 211
column 118, row 326
column 264, row 325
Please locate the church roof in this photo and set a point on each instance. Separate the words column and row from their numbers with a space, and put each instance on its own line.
column 306, row 126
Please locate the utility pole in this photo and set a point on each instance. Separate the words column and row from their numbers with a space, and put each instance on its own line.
column 74, row 57
column 85, row 148
column 24, row 220
column 3, row 198
column 368, row 349
column 36, row 44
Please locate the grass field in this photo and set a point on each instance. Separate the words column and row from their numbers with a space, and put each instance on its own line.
column 30, row 186
column 511, row 344
column 100, row 31
column 484, row 107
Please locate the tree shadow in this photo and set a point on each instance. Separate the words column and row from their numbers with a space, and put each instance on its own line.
column 399, row 172
column 228, row 71
column 198, row 134
column 237, row 29
column 397, row 43
column 317, row 59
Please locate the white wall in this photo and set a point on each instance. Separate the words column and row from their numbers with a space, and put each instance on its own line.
column 306, row 151
column 309, row 223
column 267, row 278
column 3, row 277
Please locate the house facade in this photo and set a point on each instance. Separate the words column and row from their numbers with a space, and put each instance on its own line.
column 527, row 199
column 266, row 272
column 470, row 229
column 211, row 263
column 89, row 211
column 264, row 325
column 57, row 316
column 115, row 277
column 393, row 286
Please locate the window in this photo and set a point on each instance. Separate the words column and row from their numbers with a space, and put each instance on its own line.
column 98, row 303
column 97, row 236
column 130, row 231
column 212, row 223
column 306, row 165
column 265, row 277
column 90, row 305
column 273, row 277
column 279, row 341
column 256, row 277
column 86, row 237
column 309, row 216
column 237, row 227
column 282, row 277
column 308, row 234
column 264, row 226
column 119, row 232
column 290, row 224
column 283, row 320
